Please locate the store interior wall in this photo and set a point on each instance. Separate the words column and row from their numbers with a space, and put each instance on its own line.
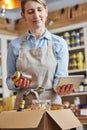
column 58, row 4
column 52, row 5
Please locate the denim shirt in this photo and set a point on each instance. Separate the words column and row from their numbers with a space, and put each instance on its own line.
column 60, row 49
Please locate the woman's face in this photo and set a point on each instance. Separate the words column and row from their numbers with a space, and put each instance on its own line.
column 35, row 15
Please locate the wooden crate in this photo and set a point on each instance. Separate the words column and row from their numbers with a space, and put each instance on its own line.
column 79, row 11
column 17, row 27
column 6, row 24
column 21, row 26
column 57, row 16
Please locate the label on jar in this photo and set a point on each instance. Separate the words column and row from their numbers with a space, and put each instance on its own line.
column 26, row 75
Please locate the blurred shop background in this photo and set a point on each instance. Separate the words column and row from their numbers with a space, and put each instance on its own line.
column 68, row 19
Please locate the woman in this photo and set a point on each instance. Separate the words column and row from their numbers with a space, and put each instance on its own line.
column 40, row 54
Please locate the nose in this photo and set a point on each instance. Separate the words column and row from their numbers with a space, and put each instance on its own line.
column 36, row 14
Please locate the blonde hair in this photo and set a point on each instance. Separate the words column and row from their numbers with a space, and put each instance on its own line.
column 23, row 2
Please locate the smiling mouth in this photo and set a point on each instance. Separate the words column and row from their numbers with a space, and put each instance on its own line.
column 37, row 21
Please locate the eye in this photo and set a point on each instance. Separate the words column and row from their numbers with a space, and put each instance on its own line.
column 40, row 9
column 30, row 11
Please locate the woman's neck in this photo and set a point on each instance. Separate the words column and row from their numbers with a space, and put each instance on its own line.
column 38, row 32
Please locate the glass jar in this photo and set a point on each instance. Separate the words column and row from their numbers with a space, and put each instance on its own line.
column 85, row 84
column 18, row 75
column 80, row 56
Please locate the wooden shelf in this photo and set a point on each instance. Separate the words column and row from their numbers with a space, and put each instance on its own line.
column 77, row 70
column 74, row 94
column 66, row 24
column 83, row 119
column 76, row 48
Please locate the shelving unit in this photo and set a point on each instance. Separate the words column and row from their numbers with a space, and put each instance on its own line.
column 71, row 97
column 75, row 94
column 75, row 48
column 83, row 100
column 68, row 30
column 4, row 41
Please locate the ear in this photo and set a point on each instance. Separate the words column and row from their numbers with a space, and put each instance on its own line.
column 23, row 16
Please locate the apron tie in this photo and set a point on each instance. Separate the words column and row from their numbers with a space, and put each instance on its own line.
column 26, row 93
column 36, row 92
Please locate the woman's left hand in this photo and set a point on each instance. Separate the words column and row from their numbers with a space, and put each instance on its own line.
column 65, row 89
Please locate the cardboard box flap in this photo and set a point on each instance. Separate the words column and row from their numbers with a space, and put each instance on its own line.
column 13, row 119
column 65, row 118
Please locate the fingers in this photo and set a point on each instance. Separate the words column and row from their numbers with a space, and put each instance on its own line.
column 65, row 89
column 23, row 83
column 61, row 89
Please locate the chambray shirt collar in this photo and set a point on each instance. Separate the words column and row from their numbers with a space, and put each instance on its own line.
column 46, row 35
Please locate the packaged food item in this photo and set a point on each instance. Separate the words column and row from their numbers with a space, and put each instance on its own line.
column 66, row 104
column 77, row 103
column 80, row 56
column 21, row 105
column 57, row 106
column 41, row 104
column 18, row 75
column 85, row 84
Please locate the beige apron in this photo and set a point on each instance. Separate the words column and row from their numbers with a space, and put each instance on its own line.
column 41, row 64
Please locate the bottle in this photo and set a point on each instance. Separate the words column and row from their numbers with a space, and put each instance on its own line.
column 78, row 39
column 77, row 103
column 85, row 84
column 80, row 64
column 80, row 56
column 81, row 87
column 21, row 106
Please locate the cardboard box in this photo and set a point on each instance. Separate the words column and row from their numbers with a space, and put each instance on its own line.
column 39, row 120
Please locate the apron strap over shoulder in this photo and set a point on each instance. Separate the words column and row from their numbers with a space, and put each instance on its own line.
column 24, row 41
column 50, row 45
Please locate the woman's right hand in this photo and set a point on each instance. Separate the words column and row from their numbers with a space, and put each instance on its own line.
column 22, row 82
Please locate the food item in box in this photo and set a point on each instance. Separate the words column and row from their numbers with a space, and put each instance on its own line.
column 66, row 104
column 57, row 106
column 41, row 104
column 21, row 105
